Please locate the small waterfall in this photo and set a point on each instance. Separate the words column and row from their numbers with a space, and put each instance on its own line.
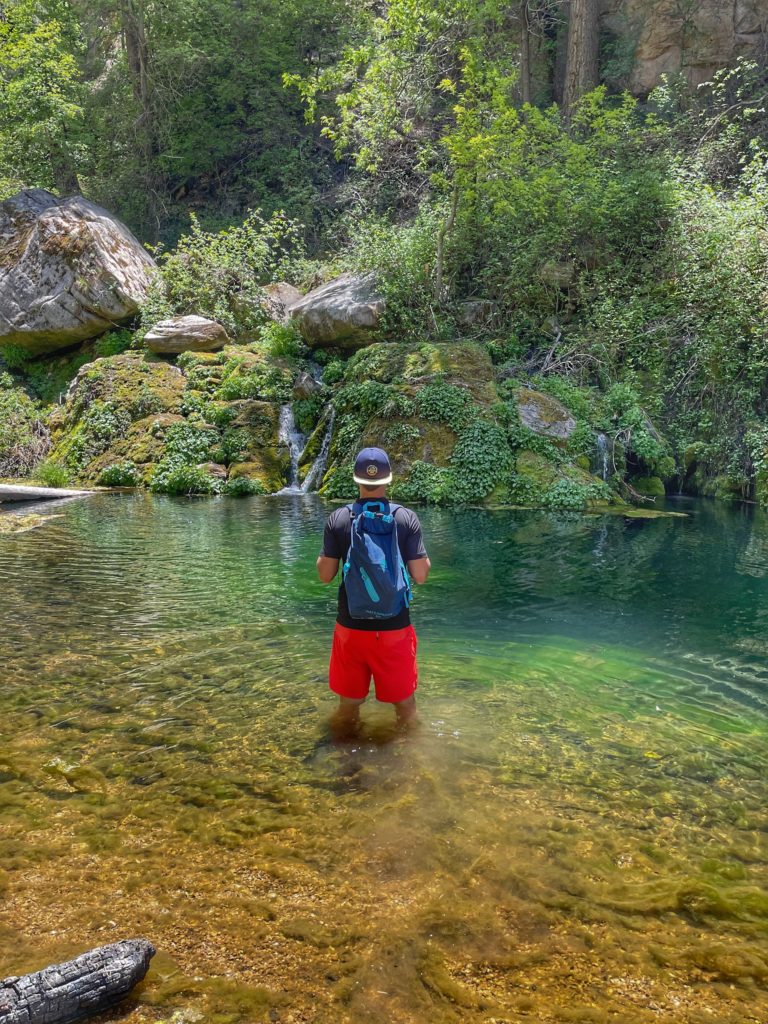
column 316, row 471
column 602, row 456
column 294, row 440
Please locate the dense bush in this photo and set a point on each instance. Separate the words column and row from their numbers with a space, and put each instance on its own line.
column 24, row 439
column 220, row 274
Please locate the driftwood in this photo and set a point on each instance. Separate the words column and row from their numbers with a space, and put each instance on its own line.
column 66, row 992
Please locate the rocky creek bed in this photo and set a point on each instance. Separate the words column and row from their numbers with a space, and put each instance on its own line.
column 575, row 832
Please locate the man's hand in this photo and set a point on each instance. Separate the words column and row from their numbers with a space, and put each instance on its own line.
column 327, row 568
column 418, row 569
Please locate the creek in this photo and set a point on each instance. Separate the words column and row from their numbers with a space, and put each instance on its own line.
column 576, row 832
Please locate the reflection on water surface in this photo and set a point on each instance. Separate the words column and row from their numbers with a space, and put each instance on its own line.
column 577, row 832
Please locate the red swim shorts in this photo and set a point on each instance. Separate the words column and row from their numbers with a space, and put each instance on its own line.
column 387, row 655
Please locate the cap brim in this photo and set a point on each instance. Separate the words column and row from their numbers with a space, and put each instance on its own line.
column 367, row 482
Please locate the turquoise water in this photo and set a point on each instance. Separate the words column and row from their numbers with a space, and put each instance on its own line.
column 576, row 832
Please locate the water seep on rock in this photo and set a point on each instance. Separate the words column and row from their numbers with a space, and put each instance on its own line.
column 69, row 271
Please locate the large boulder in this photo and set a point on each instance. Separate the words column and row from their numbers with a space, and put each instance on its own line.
column 280, row 296
column 543, row 414
column 69, row 271
column 185, row 334
column 344, row 313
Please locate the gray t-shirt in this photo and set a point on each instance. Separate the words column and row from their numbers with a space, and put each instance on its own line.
column 336, row 541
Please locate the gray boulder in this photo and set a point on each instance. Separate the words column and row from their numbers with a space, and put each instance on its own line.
column 305, row 386
column 346, row 312
column 543, row 414
column 280, row 296
column 69, row 271
column 185, row 334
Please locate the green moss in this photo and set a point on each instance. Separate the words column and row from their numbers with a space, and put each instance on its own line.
column 649, row 486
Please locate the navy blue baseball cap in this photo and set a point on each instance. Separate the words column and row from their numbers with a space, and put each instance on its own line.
column 372, row 467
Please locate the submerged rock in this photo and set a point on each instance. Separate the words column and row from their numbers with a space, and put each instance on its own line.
column 346, row 312
column 186, row 334
column 69, row 271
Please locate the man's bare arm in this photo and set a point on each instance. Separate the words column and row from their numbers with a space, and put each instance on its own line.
column 327, row 568
column 418, row 569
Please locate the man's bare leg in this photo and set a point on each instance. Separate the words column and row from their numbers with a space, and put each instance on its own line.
column 406, row 711
column 345, row 720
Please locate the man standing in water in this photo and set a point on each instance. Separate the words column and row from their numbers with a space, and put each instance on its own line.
column 384, row 648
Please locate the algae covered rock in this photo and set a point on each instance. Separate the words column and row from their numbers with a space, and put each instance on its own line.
column 344, row 313
column 185, row 334
column 69, row 271
column 110, row 411
column 649, row 486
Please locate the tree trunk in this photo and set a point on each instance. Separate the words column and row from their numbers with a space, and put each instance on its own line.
column 581, row 66
column 90, row 983
column 525, row 52
column 133, row 18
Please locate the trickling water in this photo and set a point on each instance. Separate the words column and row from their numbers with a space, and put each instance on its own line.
column 576, row 832
column 602, row 456
column 315, row 475
column 294, row 440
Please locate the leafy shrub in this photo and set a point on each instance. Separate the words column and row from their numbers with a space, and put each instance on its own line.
column 445, row 403
column 426, row 483
column 242, row 487
column 182, row 479
column 333, row 372
column 24, row 439
column 101, row 423
column 282, row 341
column 266, row 382
column 306, row 412
column 186, row 445
column 53, row 474
column 113, row 343
column 120, row 474
column 220, row 275
column 481, row 459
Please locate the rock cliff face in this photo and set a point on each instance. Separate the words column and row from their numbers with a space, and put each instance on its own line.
column 692, row 37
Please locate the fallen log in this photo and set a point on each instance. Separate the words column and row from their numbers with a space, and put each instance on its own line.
column 67, row 992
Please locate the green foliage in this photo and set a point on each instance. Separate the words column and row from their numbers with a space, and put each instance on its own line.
column 244, row 380
column 53, row 474
column 100, row 424
column 41, row 96
column 481, row 459
column 23, row 437
column 186, row 445
column 243, row 487
column 570, row 495
column 113, row 343
column 282, row 341
column 426, row 483
column 445, row 403
column 120, row 474
column 333, row 372
column 306, row 412
column 220, row 274
column 182, row 479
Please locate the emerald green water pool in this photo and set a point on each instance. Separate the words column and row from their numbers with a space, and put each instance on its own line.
column 576, row 832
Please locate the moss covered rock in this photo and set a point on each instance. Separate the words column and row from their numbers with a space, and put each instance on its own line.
column 543, row 414
column 649, row 486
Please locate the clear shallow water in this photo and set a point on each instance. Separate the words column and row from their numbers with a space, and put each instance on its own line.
column 577, row 832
